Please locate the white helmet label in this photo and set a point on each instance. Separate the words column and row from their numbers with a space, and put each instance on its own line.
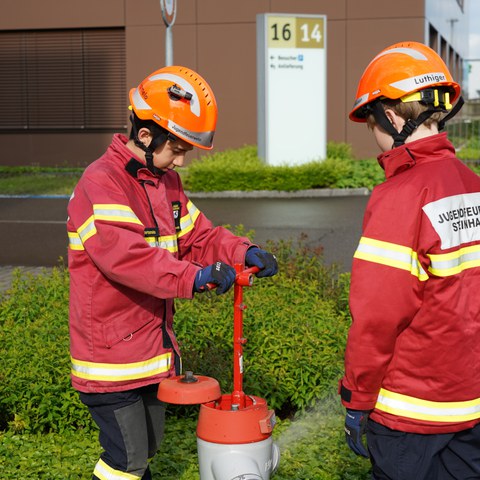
column 421, row 81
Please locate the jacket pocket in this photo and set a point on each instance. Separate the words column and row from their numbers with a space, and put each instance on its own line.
column 117, row 330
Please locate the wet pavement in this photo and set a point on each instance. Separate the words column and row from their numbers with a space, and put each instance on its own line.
column 33, row 231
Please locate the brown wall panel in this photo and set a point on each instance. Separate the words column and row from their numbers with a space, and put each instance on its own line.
column 336, row 80
column 148, row 12
column 227, row 59
column 385, row 9
column 230, row 11
column 145, row 51
column 53, row 149
column 218, row 39
column 32, row 14
column 333, row 9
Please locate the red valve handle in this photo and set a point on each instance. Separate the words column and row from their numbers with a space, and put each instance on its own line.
column 243, row 278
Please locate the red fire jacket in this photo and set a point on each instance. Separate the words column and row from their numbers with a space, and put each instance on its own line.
column 413, row 350
column 136, row 242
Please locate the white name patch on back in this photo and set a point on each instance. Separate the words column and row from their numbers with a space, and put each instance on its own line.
column 456, row 219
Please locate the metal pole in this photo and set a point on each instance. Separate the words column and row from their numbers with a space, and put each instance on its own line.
column 169, row 13
column 168, row 46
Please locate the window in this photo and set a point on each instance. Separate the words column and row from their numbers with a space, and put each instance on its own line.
column 63, row 80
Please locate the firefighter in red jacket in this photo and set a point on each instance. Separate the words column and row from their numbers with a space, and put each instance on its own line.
column 412, row 362
column 136, row 242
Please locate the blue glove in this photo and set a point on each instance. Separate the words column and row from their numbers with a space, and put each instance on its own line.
column 355, row 423
column 219, row 274
column 266, row 262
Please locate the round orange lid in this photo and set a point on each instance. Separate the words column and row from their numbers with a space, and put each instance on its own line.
column 188, row 389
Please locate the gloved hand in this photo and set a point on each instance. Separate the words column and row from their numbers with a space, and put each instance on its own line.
column 266, row 262
column 355, row 423
column 219, row 273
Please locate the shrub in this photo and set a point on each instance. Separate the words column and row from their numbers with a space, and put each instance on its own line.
column 242, row 170
column 295, row 326
column 35, row 392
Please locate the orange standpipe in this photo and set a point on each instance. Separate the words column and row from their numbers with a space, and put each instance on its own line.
column 234, row 430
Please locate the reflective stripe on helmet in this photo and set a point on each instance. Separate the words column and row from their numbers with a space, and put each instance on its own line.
column 202, row 138
column 138, row 102
column 194, row 102
column 420, row 81
column 407, row 51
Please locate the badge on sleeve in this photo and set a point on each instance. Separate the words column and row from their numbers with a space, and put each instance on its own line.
column 176, row 207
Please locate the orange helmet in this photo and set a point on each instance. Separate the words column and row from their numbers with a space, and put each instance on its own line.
column 179, row 100
column 401, row 70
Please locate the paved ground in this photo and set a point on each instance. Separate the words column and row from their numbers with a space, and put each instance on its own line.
column 6, row 272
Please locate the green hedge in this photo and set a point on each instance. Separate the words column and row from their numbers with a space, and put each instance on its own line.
column 295, row 323
column 296, row 326
column 241, row 169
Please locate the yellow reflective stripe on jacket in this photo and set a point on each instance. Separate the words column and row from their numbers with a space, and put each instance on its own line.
column 411, row 407
column 106, row 472
column 107, row 212
column 453, row 263
column 167, row 242
column 390, row 254
column 123, row 213
column 115, row 213
column 74, row 241
column 187, row 222
column 113, row 372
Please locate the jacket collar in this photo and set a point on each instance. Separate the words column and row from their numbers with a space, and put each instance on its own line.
column 132, row 164
column 408, row 155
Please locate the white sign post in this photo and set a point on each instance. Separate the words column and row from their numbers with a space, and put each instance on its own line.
column 291, row 88
column 169, row 13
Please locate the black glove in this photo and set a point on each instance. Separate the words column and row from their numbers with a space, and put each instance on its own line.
column 219, row 274
column 266, row 262
column 355, row 423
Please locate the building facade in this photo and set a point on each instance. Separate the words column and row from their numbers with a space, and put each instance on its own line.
column 66, row 66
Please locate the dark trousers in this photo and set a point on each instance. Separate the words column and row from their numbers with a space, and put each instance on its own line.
column 131, row 427
column 409, row 456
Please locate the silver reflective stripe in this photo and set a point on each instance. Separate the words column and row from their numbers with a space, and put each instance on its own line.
column 182, row 82
column 453, row 263
column 202, row 138
column 411, row 52
column 412, row 83
column 87, row 230
column 168, row 243
column 112, row 372
column 115, row 213
column 188, row 221
column 411, row 407
column 390, row 254
column 105, row 472
column 139, row 102
column 74, row 241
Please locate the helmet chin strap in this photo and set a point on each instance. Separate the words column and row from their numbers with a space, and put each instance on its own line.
column 160, row 136
column 376, row 108
column 409, row 127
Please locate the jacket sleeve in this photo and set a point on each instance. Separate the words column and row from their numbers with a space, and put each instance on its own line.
column 202, row 243
column 112, row 236
column 386, row 292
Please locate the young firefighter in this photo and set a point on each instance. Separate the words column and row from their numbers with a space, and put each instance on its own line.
column 136, row 242
column 412, row 362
